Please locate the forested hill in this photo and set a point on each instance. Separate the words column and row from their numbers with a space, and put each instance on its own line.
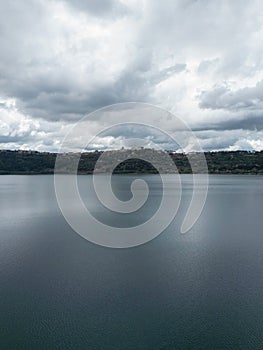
column 32, row 162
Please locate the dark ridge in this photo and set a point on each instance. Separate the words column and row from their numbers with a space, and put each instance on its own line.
column 222, row 162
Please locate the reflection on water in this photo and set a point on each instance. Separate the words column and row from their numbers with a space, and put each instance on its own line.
column 202, row 290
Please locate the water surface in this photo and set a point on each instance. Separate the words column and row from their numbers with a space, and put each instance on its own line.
column 202, row 290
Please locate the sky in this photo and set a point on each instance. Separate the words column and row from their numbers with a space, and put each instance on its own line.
column 200, row 60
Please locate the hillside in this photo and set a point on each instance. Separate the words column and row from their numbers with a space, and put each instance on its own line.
column 33, row 162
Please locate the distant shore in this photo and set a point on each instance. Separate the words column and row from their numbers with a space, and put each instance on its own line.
column 221, row 162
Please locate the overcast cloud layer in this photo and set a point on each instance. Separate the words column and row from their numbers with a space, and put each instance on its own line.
column 201, row 60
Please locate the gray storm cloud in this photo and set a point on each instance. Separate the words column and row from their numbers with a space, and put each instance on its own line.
column 200, row 60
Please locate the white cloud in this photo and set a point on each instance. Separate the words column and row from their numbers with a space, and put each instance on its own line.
column 202, row 60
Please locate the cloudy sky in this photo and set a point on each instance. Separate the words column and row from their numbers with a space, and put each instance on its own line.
column 201, row 60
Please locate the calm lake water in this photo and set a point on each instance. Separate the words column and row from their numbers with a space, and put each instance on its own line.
column 201, row 290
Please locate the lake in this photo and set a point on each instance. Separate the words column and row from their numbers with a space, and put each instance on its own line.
column 200, row 290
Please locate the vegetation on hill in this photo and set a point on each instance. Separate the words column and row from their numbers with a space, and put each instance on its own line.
column 223, row 162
